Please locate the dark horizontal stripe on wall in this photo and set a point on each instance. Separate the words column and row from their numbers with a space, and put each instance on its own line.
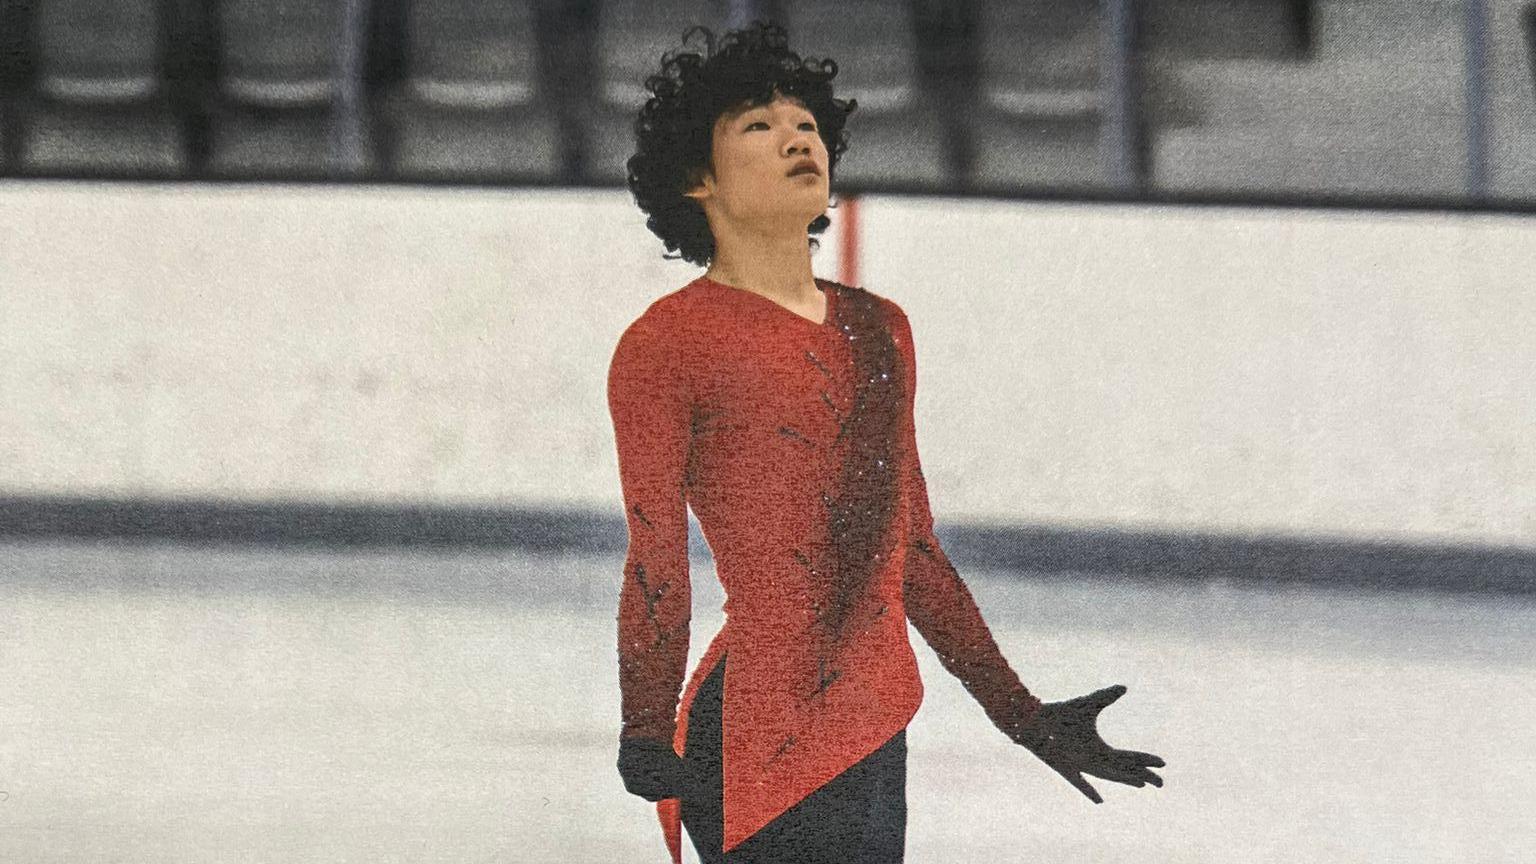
column 1271, row 559
column 303, row 523
column 1180, row 556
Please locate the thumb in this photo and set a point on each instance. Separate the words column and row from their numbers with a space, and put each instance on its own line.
column 1107, row 696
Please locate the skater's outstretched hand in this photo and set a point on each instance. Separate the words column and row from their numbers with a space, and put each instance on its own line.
column 1065, row 736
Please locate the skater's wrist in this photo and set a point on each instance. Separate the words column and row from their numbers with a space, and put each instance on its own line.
column 637, row 747
column 1023, row 718
column 652, row 723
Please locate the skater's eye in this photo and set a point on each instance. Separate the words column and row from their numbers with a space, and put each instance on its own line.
column 803, row 124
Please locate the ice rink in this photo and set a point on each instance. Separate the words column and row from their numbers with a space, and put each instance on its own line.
column 168, row 704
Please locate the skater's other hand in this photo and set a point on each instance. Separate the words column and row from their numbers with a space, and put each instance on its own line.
column 652, row 769
column 1065, row 736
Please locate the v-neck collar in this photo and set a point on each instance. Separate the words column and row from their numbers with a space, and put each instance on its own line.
column 821, row 285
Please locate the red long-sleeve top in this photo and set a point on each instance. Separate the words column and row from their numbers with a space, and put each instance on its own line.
column 726, row 401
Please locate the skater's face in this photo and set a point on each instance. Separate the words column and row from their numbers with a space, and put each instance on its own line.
column 755, row 149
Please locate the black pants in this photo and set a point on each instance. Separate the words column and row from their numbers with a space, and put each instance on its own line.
column 858, row 817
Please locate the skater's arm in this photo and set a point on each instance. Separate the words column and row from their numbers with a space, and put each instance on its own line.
column 650, row 405
column 937, row 600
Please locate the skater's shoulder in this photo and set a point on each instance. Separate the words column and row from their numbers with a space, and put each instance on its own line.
column 670, row 306
column 667, row 313
column 664, row 328
column 890, row 307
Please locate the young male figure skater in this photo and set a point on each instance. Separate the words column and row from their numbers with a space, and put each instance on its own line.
column 779, row 406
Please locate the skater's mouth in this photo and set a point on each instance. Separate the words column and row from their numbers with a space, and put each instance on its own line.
column 805, row 166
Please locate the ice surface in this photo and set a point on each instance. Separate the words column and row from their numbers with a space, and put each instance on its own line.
column 171, row 704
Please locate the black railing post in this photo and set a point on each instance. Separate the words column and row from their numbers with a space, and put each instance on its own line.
column 348, row 126
column 1121, row 132
column 1476, row 31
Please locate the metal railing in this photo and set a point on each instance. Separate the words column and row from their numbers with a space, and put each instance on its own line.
column 1124, row 136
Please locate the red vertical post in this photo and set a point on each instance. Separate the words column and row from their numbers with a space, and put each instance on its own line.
column 848, row 239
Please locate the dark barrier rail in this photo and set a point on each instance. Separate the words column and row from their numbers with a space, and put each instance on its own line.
column 1034, row 550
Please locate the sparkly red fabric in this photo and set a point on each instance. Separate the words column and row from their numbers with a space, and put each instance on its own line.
column 793, row 442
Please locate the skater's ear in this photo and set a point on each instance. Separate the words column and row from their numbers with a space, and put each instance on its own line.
column 701, row 183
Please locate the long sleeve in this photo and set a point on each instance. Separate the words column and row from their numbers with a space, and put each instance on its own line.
column 937, row 600
column 650, row 404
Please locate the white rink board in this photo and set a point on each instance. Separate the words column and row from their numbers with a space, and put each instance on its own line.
column 1359, row 375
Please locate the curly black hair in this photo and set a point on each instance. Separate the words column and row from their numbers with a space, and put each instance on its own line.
column 674, row 132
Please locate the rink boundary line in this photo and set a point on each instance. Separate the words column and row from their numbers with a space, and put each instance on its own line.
column 1038, row 550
